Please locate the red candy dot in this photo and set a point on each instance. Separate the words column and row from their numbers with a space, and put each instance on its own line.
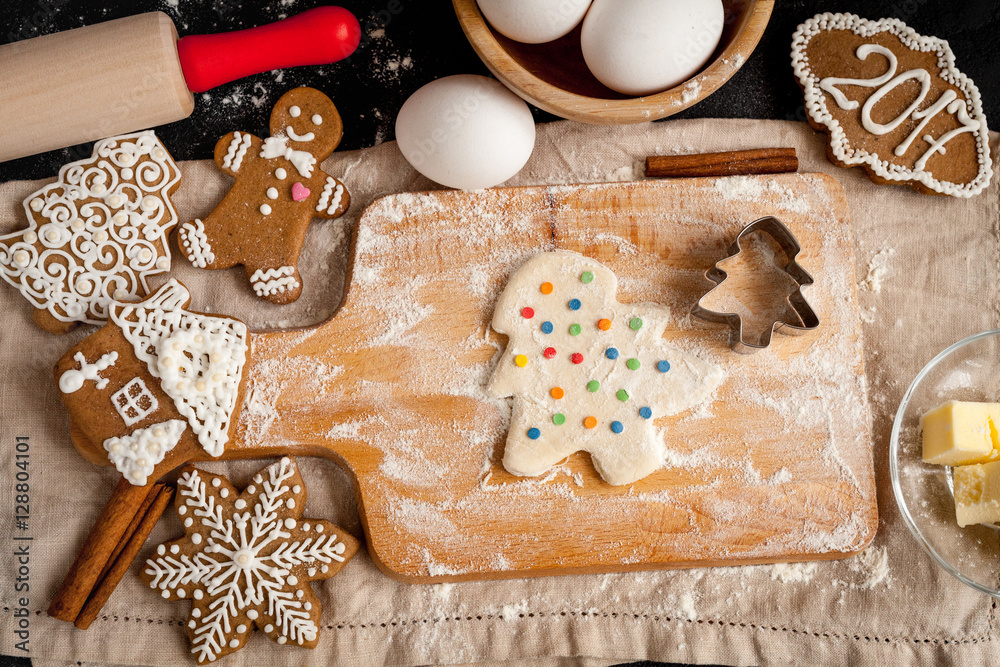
column 576, row 358
column 527, row 312
column 549, row 352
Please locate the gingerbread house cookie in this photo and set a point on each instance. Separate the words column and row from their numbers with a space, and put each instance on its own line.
column 96, row 234
column 893, row 103
column 261, row 222
column 155, row 377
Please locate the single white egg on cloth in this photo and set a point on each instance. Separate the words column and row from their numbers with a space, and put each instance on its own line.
column 534, row 21
column 466, row 132
column 641, row 47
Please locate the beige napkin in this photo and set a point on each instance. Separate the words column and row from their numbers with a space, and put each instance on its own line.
column 928, row 271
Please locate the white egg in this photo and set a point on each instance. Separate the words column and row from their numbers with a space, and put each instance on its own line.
column 466, row 132
column 534, row 21
column 640, row 47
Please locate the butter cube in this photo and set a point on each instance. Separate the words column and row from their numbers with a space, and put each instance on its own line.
column 977, row 493
column 958, row 433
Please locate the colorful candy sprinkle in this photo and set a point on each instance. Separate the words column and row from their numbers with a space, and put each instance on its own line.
column 558, row 419
column 593, row 386
column 527, row 312
column 590, row 422
column 521, row 360
column 547, row 327
column 622, row 395
column 604, row 324
column 635, row 323
column 632, row 364
column 587, row 277
column 645, row 413
column 575, row 329
column 576, row 358
column 611, row 353
column 617, row 427
column 663, row 366
column 574, row 304
column 546, row 288
column 557, row 393
column 549, row 352
column 534, row 433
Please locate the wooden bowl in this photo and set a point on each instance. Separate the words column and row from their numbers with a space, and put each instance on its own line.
column 554, row 76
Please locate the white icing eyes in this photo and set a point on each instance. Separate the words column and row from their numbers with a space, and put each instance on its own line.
column 317, row 119
column 294, row 112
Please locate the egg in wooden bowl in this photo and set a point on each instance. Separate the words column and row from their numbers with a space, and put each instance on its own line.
column 554, row 76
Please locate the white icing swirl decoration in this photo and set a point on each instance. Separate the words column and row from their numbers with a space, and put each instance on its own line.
column 94, row 236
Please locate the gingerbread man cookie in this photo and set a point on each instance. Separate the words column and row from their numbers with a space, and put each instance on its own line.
column 261, row 222
column 246, row 559
column 96, row 234
column 893, row 103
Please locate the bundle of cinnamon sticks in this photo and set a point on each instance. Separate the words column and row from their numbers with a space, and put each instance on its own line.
column 117, row 537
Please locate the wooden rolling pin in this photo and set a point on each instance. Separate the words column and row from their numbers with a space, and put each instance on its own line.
column 133, row 73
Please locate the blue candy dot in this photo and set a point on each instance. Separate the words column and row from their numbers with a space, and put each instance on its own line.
column 663, row 366
column 611, row 353
column 574, row 304
column 534, row 433
column 547, row 327
column 617, row 427
column 645, row 413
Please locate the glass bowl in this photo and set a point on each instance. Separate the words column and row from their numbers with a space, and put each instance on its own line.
column 969, row 370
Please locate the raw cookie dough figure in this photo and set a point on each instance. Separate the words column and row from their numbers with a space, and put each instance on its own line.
column 261, row 222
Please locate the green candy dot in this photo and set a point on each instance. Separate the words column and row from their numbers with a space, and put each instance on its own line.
column 586, row 277
column 593, row 386
column 622, row 395
column 575, row 329
column 633, row 364
column 558, row 419
column 635, row 323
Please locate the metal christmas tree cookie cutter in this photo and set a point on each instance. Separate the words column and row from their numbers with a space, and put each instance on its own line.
column 807, row 318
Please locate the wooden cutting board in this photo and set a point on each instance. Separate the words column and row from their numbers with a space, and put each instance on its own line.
column 778, row 467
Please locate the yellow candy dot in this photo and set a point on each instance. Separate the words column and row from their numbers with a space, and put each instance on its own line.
column 521, row 360
column 546, row 288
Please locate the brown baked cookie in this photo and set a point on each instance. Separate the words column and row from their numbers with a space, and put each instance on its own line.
column 261, row 222
column 246, row 559
column 154, row 377
column 96, row 234
column 894, row 103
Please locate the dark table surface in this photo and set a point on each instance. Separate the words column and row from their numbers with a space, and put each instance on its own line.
column 421, row 40
column 407, row 43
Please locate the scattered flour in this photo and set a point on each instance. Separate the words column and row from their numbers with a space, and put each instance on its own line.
column 873, row 565
column 878, row 270
column 793, row 572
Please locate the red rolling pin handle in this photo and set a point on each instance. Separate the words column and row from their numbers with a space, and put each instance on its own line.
column 314, row 37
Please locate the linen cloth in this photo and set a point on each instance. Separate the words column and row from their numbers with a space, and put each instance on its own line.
column 927, row 268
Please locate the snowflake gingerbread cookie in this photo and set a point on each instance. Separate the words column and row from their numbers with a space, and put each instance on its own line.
column 155, row 377
column 261, row 222
column 893, row 102
column 96, row 234
column 588, row 373
column 246, row 560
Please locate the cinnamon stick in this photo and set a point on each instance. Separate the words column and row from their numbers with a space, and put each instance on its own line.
column 104, row 537
column 160, row 500
column 133, row 525
column 731, row 163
